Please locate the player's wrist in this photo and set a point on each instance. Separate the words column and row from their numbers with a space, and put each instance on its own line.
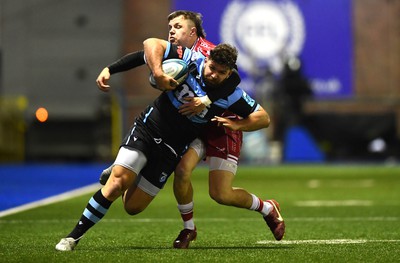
column 205, row 100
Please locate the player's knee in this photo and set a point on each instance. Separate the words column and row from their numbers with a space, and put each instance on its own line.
column 133, row 209
column 117, row 184
column 182, row 171
column 220, row 197
column 113, row 189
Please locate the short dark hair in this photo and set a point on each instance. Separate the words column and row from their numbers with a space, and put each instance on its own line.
column 224, row 54
column 196, row 18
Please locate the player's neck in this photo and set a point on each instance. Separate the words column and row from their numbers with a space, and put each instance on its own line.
column 194, row 43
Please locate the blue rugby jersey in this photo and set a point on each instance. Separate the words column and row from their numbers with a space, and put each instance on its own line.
column 238, row 102
column 161, row 120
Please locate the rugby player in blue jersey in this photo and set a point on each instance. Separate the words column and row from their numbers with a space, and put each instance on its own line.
column 160, row 135
column 220, row 144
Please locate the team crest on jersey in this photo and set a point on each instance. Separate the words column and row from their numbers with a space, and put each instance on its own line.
column 264, row 32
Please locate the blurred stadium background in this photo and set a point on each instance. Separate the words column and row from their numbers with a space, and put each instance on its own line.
column 328, row 73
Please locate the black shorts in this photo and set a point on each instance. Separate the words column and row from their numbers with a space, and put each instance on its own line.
column 161, row 157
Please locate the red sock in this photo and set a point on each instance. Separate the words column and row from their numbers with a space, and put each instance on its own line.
column 261, row 206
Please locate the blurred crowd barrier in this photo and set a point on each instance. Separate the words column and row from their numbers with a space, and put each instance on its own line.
column 12, row 128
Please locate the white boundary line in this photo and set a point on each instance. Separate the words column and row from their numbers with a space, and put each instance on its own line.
column 333, row 203
column 324, row 242
column 52, row 199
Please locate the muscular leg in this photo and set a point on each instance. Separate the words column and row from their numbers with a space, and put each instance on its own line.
column 98, row 206
column 119, row 181
column 183, row 189
column 183, row 192
column 222, row 173
column 136, row 200
column 221, row 190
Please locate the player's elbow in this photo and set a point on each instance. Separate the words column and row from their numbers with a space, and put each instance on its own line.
column 267, row 120
column 263, row 118
column 151, row 42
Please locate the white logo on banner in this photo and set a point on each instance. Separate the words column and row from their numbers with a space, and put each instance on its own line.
column 265, row 33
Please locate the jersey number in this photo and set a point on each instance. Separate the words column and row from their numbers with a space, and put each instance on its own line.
column 184, row 92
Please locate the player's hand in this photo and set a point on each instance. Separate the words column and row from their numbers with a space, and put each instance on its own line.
column 165, row 82
column 192, row 106
column 103, row 79
column 226, row 122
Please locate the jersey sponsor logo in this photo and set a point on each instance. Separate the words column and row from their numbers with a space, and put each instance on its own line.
column 248, row 99
column 202, row 46
column 163, row 177
column 264, row 33
column 220, row 149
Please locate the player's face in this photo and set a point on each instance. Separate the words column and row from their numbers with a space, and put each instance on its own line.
column 182, row 32
column 214, row 73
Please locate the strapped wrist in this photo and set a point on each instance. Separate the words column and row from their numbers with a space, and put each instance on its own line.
column 205, row 100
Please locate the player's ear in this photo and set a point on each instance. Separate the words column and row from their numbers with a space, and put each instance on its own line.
column 192, row 31
column 229, row 73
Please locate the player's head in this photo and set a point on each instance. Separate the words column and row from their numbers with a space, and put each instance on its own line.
column 184, row 27
column 219, row 64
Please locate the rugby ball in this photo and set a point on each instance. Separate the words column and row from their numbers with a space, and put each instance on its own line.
column 176, row 68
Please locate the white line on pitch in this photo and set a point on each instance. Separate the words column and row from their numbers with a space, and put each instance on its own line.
column 324, row 242
column 52, row 199
column 332, row 203
column 317, row 183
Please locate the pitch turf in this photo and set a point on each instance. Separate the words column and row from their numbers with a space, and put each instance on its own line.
column 332, row 213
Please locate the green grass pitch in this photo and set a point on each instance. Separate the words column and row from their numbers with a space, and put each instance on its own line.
column 332, row 214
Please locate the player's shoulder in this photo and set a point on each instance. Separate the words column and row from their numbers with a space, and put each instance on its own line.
column 240, row 95
column 205, row 43
column 203, row 46
column 237, row 94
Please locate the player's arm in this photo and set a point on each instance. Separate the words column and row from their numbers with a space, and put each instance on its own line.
column 254, row 117
column 257, row 120
column 127, row 62
column 154, row 51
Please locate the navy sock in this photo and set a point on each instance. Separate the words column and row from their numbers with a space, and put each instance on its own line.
column 95, row 210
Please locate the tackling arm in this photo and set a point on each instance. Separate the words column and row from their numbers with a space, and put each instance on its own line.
column 255, row 121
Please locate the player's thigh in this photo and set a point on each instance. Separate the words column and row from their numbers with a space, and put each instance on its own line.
column 224, row 143
column 190, row 159
column 220, row 180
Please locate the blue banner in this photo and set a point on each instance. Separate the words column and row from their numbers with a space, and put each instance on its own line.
column 269, row 32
